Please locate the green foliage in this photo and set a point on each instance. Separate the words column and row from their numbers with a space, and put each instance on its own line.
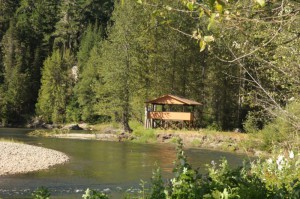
column 29, row 30
column 93, row 194
column 283, row 130
column 45, row 133
column 248, row 61
column 15, row 88
column 157, row 185
column 184, row 184
column 88, row 57
column 251, row 123
column 271, row 178
column 142, row 135
column 280, row 173
column 41, row 193
column 118, row 61
column 73, row 111
column 56, row 87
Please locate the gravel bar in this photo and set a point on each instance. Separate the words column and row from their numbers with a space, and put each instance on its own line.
column 22, row 158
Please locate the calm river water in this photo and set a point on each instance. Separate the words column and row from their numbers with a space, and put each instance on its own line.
column 99, row 165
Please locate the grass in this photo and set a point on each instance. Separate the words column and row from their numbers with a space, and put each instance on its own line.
column 141, row 134
column 46, row 133
column 10, row 140
column 106, row 126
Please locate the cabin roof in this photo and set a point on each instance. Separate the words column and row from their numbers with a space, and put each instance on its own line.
column 172, row 99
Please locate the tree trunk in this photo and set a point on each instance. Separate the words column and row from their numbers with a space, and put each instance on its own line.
column 125, row 123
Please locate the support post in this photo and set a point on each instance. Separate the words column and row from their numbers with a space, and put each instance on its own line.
column 146, row 117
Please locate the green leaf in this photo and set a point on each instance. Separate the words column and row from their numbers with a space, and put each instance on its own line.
column 169, row 8
column 190, row 6
column 209, row 38
column 212, row 3
column 201, row 13
column 262, row 3
column 211, row 21
column 219, row 7
column 139, row 1
column 202, row 44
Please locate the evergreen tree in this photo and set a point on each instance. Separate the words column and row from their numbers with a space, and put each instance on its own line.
column 70, row 25
column 15, row 96
column 56, row 87
column 118, row 59
column 88, row 63
column 7, row 10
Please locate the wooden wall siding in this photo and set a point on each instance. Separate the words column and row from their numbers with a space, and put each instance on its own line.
column 185, row 116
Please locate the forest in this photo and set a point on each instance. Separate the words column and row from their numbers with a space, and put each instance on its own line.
column 99, row 60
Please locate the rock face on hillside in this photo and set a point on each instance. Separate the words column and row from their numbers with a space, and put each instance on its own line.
column 22, row 158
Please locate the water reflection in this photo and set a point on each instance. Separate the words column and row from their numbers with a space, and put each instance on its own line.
column 99, row 164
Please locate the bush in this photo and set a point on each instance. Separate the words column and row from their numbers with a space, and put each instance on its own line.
column 276, row 177
column 251, row 123
column 41, row 193
column 284, row 130
column 142, row 135
column 93, row 194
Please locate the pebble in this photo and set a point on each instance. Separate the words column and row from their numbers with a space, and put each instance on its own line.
column 22, row 158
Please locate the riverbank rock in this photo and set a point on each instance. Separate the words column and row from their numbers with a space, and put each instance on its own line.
column 72, row 127
column 164, row 137
column 125, row 136
column 35, row 122
column 22, row 158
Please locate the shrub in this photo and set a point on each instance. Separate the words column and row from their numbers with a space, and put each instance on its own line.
column 284, row 129
column 276, row 177
column 251, row 123
column 157, row 188
column 93, row 194
column 142, row 135
column 41, row 193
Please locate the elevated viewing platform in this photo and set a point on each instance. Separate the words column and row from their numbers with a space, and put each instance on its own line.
column 169, row 108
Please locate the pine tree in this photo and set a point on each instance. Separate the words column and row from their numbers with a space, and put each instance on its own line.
column 118, row 64
column 70, row 26
column 56, row 87
column 87, row 64
column 15, row 96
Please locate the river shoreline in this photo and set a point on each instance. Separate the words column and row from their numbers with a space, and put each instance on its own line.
column 219, row 141
column 18, row 158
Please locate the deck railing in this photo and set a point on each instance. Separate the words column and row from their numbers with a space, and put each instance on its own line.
column 185, row 116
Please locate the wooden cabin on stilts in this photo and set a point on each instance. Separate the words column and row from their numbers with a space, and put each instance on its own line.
column 170, row 111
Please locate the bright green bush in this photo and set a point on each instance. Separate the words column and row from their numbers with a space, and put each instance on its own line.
column 142, row 135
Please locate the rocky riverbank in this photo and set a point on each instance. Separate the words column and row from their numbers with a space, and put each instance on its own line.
column 22, row 158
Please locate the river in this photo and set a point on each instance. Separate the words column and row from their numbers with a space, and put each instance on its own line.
column 100, row 165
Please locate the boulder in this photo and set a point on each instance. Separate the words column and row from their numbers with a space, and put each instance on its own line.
column 72, row 127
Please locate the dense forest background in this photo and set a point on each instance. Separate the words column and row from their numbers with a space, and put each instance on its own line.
column 100, row 60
